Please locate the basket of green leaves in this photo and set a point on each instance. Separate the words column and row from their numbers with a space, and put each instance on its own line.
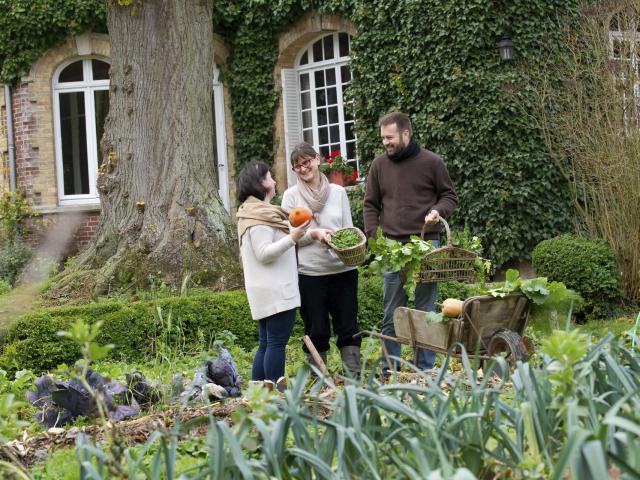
column 350, row 245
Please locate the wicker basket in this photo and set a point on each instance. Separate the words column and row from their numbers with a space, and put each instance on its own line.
column 447, row 263
column 352, row 256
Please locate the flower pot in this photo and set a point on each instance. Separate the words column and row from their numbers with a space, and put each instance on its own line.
column 337, row 178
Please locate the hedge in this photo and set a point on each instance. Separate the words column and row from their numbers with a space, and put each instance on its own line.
column 136, row 328
column 587, row 266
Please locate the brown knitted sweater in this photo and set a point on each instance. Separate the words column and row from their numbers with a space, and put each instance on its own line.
column 400, row 194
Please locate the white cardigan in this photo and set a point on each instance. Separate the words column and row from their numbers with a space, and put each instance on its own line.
column 270, row 271
column 315, row 258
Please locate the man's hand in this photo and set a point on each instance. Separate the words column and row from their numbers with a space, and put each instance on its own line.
column 432, row 218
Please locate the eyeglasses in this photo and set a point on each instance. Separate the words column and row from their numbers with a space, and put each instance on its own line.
column 303, row 164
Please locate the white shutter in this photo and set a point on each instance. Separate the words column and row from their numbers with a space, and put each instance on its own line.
column 292, row 117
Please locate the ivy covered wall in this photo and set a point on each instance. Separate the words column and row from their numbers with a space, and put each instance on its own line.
column 433, row 59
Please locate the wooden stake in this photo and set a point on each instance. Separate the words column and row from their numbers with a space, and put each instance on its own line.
column 314, row 354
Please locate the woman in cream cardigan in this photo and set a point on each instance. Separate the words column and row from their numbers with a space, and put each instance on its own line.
column 328, row 288
column 267, row 244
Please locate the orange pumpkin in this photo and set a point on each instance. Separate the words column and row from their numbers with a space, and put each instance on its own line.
column 299, row 215
column 452, row 307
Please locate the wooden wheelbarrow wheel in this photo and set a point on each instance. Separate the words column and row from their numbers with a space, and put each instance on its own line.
column 508, row 344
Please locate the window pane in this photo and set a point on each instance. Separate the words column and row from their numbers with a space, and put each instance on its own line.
column 72, row 73
column 304, row 59
column 73, row 132
column 351, row 150
column 317, row 51
column 328, row 47
column 306, row 119
column 345, row 73
column 349, row 133
column 335, row 148
column 100, row 70
column 321, row 100
column 304, row 81
column 333, row 114
column 324, row 152
column 322, row 116
column 101, row 99
column 332, row 96
column 331, row 76
column 306, row 100
column 323, row 135
column 613, row 26
column 334, row 133
column 343, row 41
column 308, row 136
column 319, row 78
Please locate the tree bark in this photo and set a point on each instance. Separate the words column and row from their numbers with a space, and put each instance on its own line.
column 161, row 213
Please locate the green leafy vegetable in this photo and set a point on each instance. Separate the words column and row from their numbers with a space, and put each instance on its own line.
column 345, row 239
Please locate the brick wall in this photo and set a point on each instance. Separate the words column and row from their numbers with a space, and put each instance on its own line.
column 87, row 229
column 27, row 157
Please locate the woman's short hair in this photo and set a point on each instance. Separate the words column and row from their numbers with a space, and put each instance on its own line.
column 300, row 151
column 250, row 180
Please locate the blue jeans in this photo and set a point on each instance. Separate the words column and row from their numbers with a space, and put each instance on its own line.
column 273, row 335
column 394, row 297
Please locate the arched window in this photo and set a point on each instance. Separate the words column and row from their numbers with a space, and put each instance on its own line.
column 624, row 52
column 315, row 102
column 81, row 104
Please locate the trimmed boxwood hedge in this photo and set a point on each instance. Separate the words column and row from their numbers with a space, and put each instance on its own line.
column 587, row 266
column 134, row 328
column 32, row 341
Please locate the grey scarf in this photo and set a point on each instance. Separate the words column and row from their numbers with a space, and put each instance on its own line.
column 316, row 199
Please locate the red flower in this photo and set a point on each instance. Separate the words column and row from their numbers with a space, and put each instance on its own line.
column 330, row 161
column 355, row 174
column 334, row 154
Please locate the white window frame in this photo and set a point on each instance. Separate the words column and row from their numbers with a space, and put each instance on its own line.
column 310, row 68
column 632, row 38
column 87, row 87
column 221, row 139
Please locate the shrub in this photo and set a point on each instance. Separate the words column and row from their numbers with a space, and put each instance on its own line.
column 587, row 266
column 13, row 257
column 14, row 254
column 135, row 328
column 356, row 201
column 4, row 287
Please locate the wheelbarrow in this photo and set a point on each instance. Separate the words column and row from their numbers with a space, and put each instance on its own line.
column 486, row 327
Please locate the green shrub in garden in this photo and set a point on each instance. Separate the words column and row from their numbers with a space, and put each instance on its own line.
column 4, row 287
column 356, row 201
column 587, row 266
column 137, row 328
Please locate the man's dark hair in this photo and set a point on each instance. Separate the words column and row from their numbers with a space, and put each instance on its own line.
column 402, row 121
column 300, row 151
column 250, row 180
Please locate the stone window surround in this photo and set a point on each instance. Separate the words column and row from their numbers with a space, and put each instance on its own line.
column 87, row 87
column 310, row 27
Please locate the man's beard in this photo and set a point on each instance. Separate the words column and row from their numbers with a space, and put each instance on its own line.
column 400, row 146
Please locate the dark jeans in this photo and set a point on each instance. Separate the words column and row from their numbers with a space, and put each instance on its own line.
column 394, row 297
column 273, row 336
column 333, row 295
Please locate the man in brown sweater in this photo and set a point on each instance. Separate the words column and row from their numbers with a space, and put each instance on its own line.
column 407, row 187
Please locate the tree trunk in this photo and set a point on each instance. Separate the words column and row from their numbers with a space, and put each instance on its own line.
column 161, row 216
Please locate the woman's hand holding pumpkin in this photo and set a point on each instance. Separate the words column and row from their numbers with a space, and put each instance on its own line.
column 298, row 232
